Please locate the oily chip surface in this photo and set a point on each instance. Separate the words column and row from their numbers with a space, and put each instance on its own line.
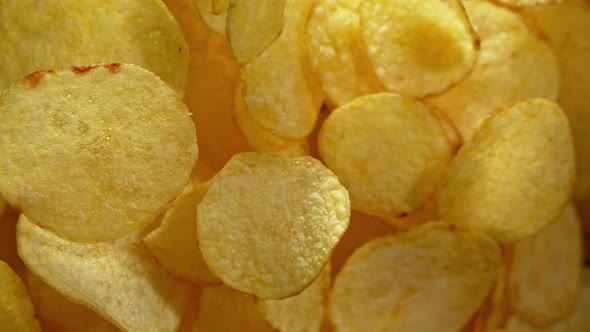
column 268, row 224
column 103, row 155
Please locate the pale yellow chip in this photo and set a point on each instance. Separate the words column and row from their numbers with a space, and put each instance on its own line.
column 417, row 48
column 278, row 88
column 108, row 147
column 215, row 21
column 41, row 35
column 515, row 176
column 514, row 64
column 174, row 243
column 528, row 3
column 16, row 309
column 389, row 151
column 429, row 279
column 268, row 224
column 336, row 53
column 119, row 280
column 252, row 26
column 546, row 275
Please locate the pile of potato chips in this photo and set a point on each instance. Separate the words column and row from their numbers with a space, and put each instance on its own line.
column 295, row 165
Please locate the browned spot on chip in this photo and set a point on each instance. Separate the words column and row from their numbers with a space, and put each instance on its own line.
column 81, row 70
column 34, row 78
column 113, row 67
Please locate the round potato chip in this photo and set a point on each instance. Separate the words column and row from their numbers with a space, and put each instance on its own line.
column 515, row 176
column 389, row 151
column 41, row 35
column 545, row 279
column 103, row 156
column 400, row 282
column 16, row 310
column 268, row 224
column 417, row 48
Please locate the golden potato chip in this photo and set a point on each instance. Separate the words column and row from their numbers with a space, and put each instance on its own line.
column 417, row 49
column 515, row 176
column 213, row 20
column 546, row 275
column 389, row 151
column 174, row 243
column 514, row 64
column 268, row 224
column 104, row 157
column 252, row 26
column 528, row 3
column 431, row 278
column 56, row 313
column 119, row 280
column 219, row 6
column 337, row 57
column 16, row 310
column 278, row 88
column 40, row 35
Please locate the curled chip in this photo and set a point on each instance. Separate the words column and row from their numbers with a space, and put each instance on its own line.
column 417, row 48
column 400, row 282
column 268, row 224
column 16, row 310
column 40, row 35
column 545, row 278
column 389, row 151
column 338, row 62
column 252, row 25
column 103, row 155
column 514, row 64
column 119, row 280
column 214, row 20
column 515, row 176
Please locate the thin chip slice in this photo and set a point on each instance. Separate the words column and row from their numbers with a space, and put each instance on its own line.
column 252, row 26
column 119, row 279
column 417, row 48
column 97, row 167
column 174, row 243
column 514, row 64
column 400, row 282
column 40, row 35
column 545, row 279
column 268, row 224
column 213, row 20
column 278, row 88
column 16, row 309
column 403, row 158
column 522, row 159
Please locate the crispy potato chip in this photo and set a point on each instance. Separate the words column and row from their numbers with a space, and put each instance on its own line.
column 213, row 20
column 268, row 224
column 403, row 158
column 96, row 167
column 430, row 51
column 40, row 35
column 514, row 64
column 400, row 282
column 278, row 88
column 546, row 276
column 219, row 6
column 119, row 280
column 174, row 243
column 528, row 3
column 336, row 54
column 56, row 313
column 252, row 26
column 16, row 310
column 515, row 176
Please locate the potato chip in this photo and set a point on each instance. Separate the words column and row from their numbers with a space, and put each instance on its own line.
column 336, row 53
column 528, row 3
column 546, row 276
column 96, row 167
column 16, row 310
column 515, row 176
column 268, row 224
column 417, row 49
column 174, row 243
column 403, row 158
column 219, row 6
column 514, row 64
column 278, row 88
column 56, row 313
column 40, row 35
column 252, row 26
column 119, row 280
column 214, row 21
column 431, row 278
